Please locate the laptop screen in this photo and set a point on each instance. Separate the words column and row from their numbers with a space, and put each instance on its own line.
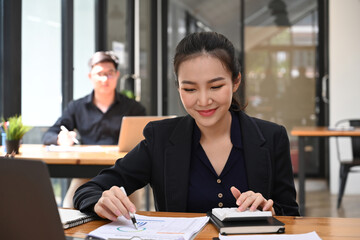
column 131, row 131
column 27, row 203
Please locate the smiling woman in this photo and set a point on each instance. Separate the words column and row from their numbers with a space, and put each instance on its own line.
column 216, row 156
column 206, row 90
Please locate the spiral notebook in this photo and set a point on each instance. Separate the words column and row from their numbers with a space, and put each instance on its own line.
column 71, row 217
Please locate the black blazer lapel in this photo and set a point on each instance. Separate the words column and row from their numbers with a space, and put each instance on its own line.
column 257, row 157
column 177, row 163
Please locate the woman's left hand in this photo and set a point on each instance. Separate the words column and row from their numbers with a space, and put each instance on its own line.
column 252, row 200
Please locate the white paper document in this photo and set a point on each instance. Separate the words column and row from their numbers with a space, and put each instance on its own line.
column 171, row 228
column 305, row 236
column 56, row 148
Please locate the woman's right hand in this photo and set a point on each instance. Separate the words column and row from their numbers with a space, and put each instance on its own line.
column 113, row 204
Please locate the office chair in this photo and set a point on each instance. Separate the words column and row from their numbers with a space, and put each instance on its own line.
column 347, row 164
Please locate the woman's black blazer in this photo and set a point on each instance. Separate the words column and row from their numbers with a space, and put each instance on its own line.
column 163, row 161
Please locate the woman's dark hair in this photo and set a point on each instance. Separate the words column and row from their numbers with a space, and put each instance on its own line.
column 213, row 44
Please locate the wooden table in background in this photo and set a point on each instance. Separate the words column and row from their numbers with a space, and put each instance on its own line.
column 303, row 133
column 326, row 228
column 72, row 164
column 75, row 164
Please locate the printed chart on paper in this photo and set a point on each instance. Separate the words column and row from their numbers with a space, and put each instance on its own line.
column 152, row 228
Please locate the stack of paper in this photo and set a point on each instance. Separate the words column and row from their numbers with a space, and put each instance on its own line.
column 152, row 228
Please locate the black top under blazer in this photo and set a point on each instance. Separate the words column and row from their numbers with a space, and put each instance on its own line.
column 163, row 160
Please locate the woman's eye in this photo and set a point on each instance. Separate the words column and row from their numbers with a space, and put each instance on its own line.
column 188, row 89
column 216, row 87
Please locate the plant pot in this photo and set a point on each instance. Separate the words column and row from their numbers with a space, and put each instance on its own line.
column 12, row 146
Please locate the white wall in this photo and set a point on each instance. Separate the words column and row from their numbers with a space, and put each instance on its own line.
column 344, row 75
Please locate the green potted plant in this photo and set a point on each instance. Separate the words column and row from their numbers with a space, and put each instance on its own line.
column 15, row 130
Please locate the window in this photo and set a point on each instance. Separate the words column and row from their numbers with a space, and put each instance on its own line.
column 41, row 62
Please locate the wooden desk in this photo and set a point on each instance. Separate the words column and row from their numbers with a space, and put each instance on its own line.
column 303, row 133
column 72, row 164
column 75, row 164
column 326, row 228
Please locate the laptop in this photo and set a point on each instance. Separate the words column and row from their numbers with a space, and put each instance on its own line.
column 131, row 131
column 27, row 203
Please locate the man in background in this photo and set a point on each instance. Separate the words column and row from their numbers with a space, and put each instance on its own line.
column 97, row 116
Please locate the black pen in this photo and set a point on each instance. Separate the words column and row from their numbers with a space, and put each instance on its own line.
column 132, row 216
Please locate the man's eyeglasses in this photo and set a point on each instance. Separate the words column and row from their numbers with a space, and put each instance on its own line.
column 109, row 74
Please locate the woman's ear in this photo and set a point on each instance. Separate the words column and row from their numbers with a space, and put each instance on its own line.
column 237, row 82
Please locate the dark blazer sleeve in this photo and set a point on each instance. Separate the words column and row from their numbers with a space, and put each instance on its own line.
column 283, row 190
column 268, row 163
column 132, row 172
column 161, row 160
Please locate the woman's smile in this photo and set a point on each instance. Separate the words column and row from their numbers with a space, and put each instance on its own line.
column 207, row 113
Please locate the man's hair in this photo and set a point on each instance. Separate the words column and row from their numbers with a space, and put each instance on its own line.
column 104, row 56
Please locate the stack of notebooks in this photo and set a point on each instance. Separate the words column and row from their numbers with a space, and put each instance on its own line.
column 232, row 221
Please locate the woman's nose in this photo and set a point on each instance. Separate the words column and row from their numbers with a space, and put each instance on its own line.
column 204, row 99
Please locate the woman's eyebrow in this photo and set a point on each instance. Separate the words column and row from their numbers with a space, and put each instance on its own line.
column 210, row 81
column 187, row 82
column 216, row 79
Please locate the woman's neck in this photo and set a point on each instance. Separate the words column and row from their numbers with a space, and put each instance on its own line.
column 221, row 129
column 216, row 142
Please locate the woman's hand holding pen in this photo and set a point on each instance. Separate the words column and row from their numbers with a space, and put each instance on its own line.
column 252, row 200
column 114, row 203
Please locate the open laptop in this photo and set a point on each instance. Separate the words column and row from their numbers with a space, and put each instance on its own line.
column 131, row 131
column 28, row 208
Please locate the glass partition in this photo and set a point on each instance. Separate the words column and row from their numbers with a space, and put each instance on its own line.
column 280, row 67
column 186, row 16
